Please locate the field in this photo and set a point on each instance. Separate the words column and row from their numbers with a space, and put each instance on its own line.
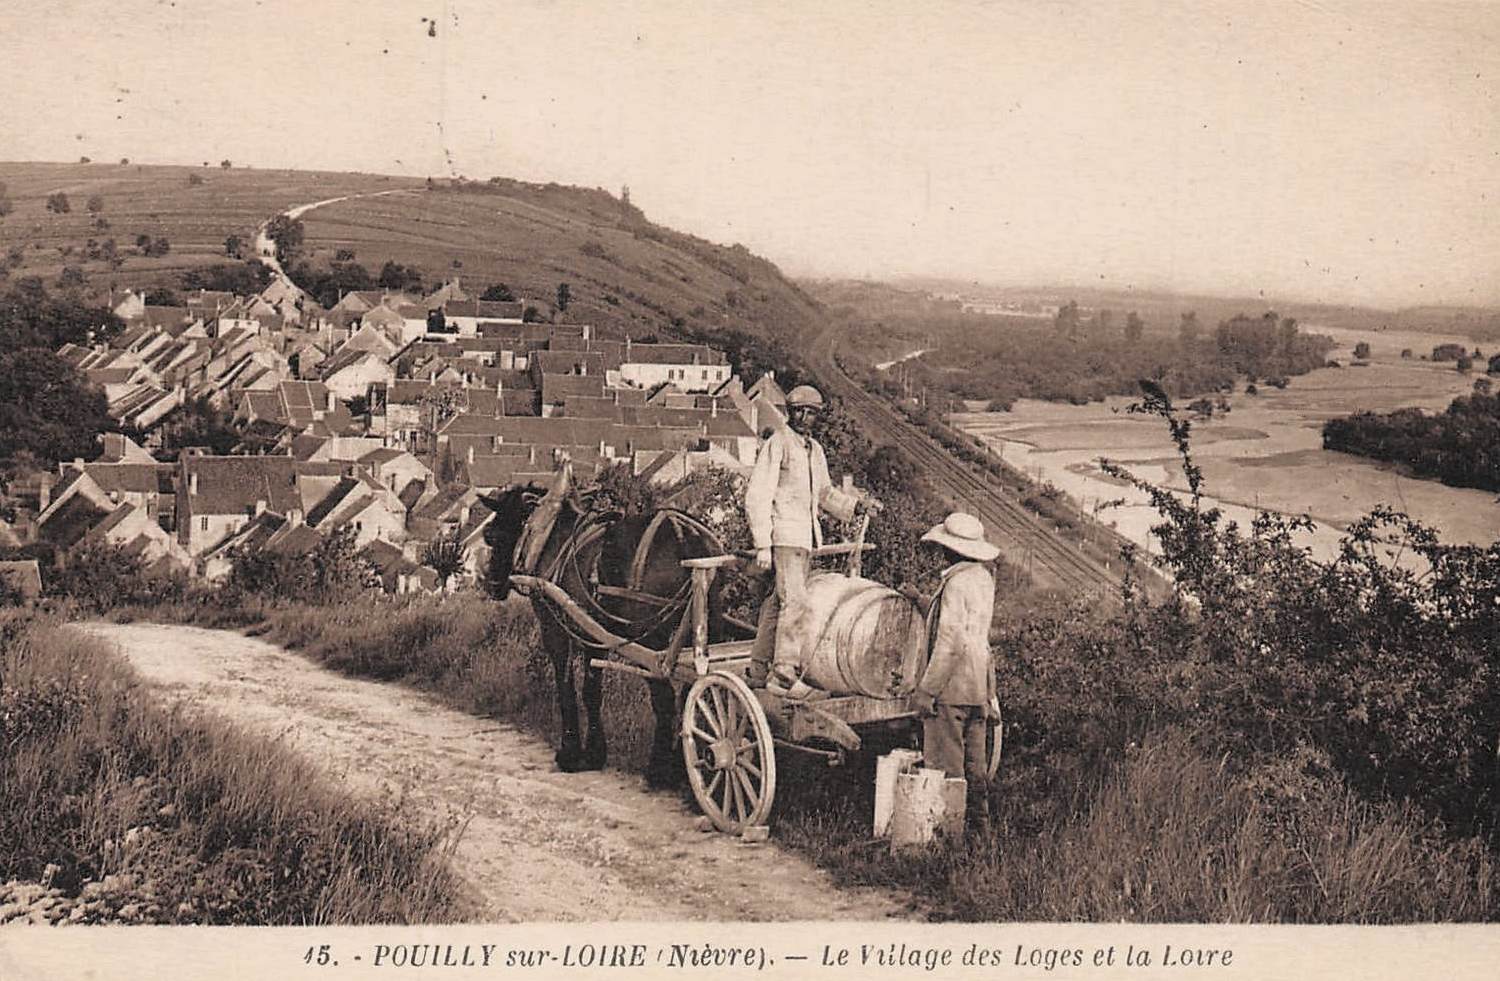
column 1267, row 453
column 154, row 201
column 622, row 270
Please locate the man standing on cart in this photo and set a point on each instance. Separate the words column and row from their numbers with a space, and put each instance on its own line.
column 788, row 487
column 956, row 697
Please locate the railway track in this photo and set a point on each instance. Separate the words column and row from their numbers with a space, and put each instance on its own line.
column 1024, row 541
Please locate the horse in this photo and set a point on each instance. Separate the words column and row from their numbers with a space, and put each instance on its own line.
column 564, row 536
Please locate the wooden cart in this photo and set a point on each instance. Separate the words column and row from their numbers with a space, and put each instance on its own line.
column 730, row 731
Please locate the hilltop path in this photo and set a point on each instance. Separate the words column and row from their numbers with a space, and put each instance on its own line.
column 539, row 845
column 265, row 249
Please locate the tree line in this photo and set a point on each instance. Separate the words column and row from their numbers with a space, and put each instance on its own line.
column 1460, row 447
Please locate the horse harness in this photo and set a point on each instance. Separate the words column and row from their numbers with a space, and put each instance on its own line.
column 578, row 561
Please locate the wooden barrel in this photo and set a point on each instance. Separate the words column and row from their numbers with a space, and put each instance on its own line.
column 864, row 638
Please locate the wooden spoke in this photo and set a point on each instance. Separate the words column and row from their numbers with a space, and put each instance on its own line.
column 710, row 715
column 730, row 791
column 744, row 785
column 700, row 734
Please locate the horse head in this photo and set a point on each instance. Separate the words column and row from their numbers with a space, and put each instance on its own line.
column 530, row 524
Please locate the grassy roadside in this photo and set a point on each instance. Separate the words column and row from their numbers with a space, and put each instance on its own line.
column 115, row 809
column 1102, row 812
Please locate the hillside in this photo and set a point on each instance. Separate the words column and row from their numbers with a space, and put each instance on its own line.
column 623, row 271
column 156, row 201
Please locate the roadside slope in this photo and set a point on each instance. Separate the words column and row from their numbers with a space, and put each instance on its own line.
column 537, row 844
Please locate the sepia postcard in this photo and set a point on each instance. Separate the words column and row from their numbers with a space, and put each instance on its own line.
column 850, row 490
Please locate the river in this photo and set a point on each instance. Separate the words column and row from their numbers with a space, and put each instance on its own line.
column 1266, row 453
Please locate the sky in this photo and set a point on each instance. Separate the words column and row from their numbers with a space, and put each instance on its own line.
column 1315, row 151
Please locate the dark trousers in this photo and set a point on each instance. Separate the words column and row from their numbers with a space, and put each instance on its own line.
column 954, row 741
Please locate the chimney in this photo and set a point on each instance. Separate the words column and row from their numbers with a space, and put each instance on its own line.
column 713, row 409
column 588, row 332
column 294, row 517
column 193, row 483
column 531, row 455
column 463, row 515
column 471, row 454
column 331, row 401
column 260, row 508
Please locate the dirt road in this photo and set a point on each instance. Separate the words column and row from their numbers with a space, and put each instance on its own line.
column 539, row 845
column 265, row 249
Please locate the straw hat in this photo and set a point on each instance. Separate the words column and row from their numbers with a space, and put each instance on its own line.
column 964, row 534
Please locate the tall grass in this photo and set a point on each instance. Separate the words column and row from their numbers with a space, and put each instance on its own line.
column 1169, row 835
column 134, row 811
column 1102, row 812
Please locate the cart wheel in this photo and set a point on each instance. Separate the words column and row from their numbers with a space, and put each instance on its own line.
column 731, row 759
column 995, row 738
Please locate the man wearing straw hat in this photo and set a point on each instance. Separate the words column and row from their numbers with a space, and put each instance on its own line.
column 956, row 697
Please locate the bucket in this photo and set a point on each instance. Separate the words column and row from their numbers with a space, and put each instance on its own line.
column 926, row 803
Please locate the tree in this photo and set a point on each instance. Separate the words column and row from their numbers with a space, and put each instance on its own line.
column 499, row 292
column 564, row 295
column 250, row 276
column 124, row 161
column 160, row 296
column 395, row 276
column 95, row 203
column 1102, row 321
column 1135, row 327
column 1494, row 365
column 57, row 203
column 195, row 180
column 1465, row 364
column 1362, row 351
column 530, row 315
column 33, row 318
column 160, row 246
column 343, row 255
column 72, row 278
column 198, row 423
column 1188, row 329
column 287, row 234
column 1066, row 320
column 46, row 407
column 232, row 246
column 84, row 160
column 445, row 555
column 225, row 164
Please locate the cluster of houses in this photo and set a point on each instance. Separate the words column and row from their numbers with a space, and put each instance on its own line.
column 388, row 415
